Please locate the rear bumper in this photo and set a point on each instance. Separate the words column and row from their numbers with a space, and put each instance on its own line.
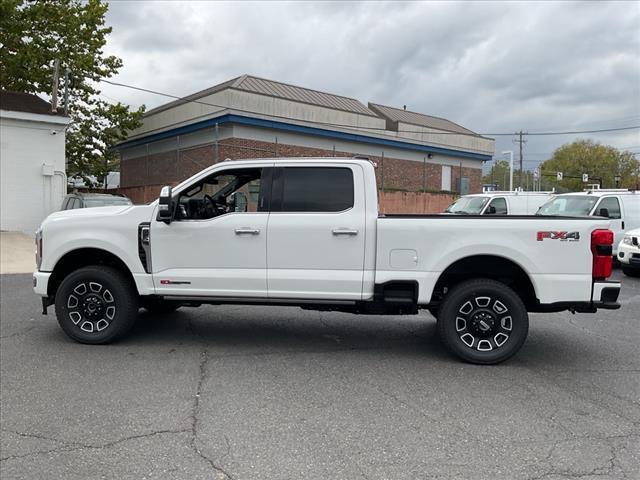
column 604, row 295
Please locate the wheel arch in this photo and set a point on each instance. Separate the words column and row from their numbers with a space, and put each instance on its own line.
column 494, row 267
column 84, row 257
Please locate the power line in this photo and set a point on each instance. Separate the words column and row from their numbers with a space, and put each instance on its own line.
column 192, row 100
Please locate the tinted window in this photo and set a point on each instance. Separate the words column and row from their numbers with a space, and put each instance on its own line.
column 316, row 189
column 611, row 204
column 500, row 204
column 75, row 203
column 65, row 202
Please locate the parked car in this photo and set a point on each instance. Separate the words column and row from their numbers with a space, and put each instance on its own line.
column 620, row 206
column 499, row 203
column 87, row 200
column 312, row 237
column 629, row 253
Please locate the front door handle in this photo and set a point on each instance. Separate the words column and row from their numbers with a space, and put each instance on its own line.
column 247, row 231
column 344, row 231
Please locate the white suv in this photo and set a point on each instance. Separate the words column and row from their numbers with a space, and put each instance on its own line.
column 629, row 253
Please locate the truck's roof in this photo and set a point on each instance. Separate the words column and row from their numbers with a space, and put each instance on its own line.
column 507, row 194
column 601, row 192
column 301, row 160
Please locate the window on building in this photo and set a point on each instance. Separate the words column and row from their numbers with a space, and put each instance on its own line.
column 314, row 189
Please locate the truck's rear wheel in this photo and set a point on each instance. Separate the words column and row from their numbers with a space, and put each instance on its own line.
column 96, row 305
column 483, row 321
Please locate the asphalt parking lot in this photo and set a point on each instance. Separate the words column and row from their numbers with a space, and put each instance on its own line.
column 281, row 393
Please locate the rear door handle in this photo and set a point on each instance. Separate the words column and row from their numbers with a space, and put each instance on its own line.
column 344, row 231
column 247, row 231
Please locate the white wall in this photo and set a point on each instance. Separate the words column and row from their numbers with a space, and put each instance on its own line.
column 32, row 168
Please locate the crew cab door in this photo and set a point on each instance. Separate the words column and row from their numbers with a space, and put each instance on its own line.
column 215, row 246
column 612, row 204
column 316, row 234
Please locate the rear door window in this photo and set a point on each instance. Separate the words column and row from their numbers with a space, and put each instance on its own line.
column 611, row 204
column 500, row 204
column 313, row 189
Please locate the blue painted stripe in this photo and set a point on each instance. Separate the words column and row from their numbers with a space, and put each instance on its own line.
column 320, row 132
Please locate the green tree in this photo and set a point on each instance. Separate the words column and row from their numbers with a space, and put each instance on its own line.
column 594, row 159
column 499, row 175
column 36, row 33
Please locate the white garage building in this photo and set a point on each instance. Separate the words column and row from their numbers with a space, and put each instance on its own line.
column 32, row 161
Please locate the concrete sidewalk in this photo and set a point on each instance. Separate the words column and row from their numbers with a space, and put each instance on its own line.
column 17, row 253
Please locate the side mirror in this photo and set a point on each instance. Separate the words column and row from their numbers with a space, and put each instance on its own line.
column 603, row 212
column 491, row 210
column 165, row 205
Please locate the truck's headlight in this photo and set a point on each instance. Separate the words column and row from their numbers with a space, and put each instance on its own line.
column 626, row 240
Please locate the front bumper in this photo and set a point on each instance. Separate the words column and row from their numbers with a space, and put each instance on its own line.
column 41, row 283
column 629, row 255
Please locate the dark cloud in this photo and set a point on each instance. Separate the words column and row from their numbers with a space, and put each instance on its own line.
column 492, row 67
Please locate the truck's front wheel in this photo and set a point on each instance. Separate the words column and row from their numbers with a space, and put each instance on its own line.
column 483, row 321
column 96, row 305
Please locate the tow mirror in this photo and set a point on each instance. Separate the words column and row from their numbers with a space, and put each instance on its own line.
column 238, row 202
column 491, row 210
column 603, row 212
column 165, row 205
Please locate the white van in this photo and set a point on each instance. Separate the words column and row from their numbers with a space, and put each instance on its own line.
column 622, row 207
column 499, row 203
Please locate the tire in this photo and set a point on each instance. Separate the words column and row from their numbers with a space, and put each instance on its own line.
column 631, row 272
column 158, row 307
column 96, row 305
column 434, row 311
column 483, row 321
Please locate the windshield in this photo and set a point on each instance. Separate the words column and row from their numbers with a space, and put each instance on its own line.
column 571, row 206
column 102, row 202
column 468, row 205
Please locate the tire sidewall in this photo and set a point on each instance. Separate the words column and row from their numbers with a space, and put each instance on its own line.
column 477, row 288
column 124, row 299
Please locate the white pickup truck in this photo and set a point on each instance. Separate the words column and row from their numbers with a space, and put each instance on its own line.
column 306, row 232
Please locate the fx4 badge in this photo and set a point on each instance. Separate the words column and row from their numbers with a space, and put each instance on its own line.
column 562, row 236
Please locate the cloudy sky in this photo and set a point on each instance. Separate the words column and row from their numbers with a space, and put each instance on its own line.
column 492, row 67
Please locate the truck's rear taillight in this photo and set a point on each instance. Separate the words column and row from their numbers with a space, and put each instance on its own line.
column 601, row 248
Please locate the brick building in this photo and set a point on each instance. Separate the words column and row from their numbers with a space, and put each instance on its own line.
column 250, row 117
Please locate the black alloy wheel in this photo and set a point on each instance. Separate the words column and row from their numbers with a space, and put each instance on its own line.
column 96, row 305
column 483, row 321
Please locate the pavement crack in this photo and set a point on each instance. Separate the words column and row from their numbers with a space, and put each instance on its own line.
column 193, row 443
column 73, row 446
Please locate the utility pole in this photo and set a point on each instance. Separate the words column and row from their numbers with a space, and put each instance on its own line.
column 66, row 91
column 54, row 87
column 521, row 141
